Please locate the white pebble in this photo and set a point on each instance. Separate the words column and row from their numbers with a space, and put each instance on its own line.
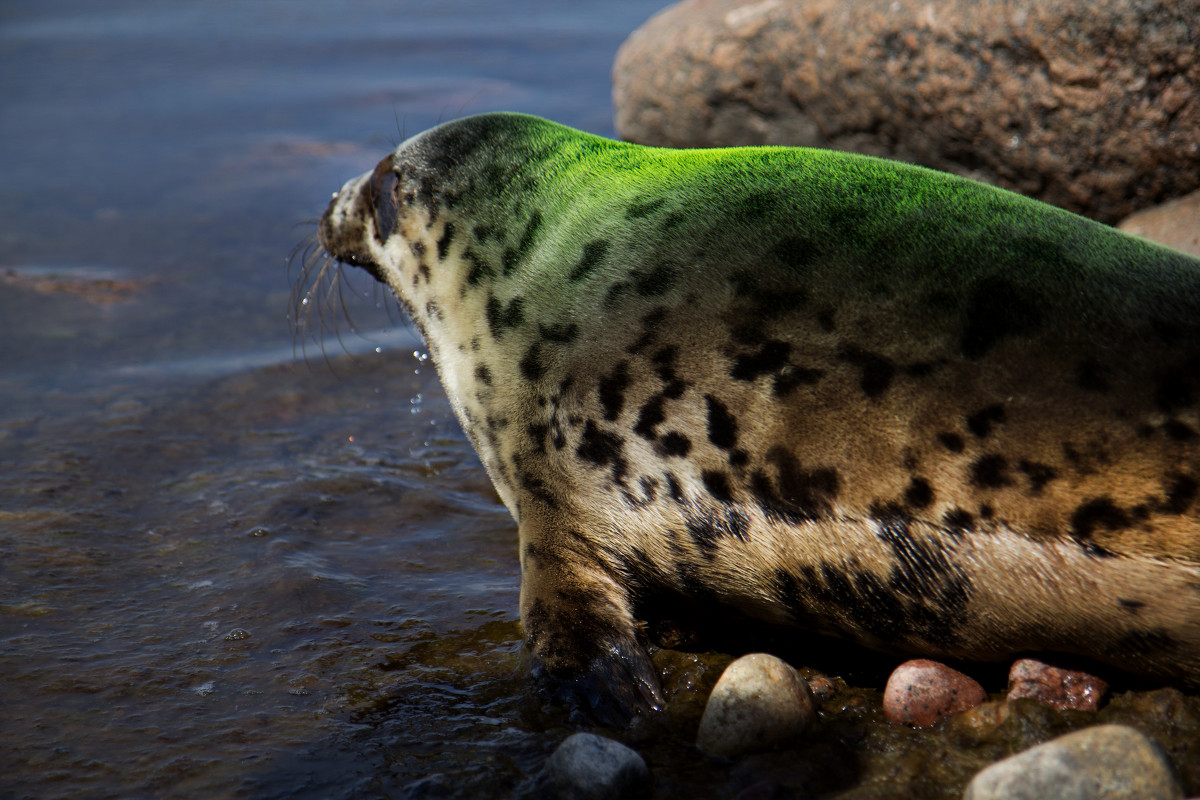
column 759, row 702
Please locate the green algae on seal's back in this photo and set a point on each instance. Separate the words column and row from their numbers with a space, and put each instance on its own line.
column 825, row 389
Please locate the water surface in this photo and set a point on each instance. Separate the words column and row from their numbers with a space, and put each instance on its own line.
column 233, row 562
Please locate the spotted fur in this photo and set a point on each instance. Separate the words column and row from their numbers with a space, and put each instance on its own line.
column 825, row 389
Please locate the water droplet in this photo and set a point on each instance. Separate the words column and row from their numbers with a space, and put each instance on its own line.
column 206, row 688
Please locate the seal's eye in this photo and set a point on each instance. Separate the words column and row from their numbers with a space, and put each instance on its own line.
column 385, row 186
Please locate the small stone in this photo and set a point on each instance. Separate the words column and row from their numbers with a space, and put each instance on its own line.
column 921, row 692
column 1064, row 689
column 590, row 767
column 758, row 702
column 1113, row 762
column 1175, row 224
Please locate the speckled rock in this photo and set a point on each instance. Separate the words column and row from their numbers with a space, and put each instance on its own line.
column 759, row 702
column 921, row 692
column 1091, row 106
column 1063, row 689
column 1113, row 762
column 590, row 767
column 1175, row 223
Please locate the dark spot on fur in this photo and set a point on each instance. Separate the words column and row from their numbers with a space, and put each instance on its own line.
column 561, row 333
column 651, row 415
column 1178, row 431
column 1132, row 606
column 797, row 253
column 654, row 282
column 919, row 493
column 825, row 319
column 650, row 325
column 922, row 369
column 612, row 391
column 500, row 317
column 1181, row 493
column 674, row 489
column 795, row 493
column 1038, row 474
column 952, row 442
column 514, row 255
column 639, row 210
column 998, row 309
column 673, row 220
column 1177, row 389
column 443, row 243
column 958, row 521
column 980, row 423
column 600, row 448
column 531, row 363
column 769, row 358
column 792, row 377
column 877, row 371
column 1090, row 376
column 990, row 472
column 738, row 458
column 593, row 254
column 717, row 484
column 674, row 444
column 483, row 375
column 722, row 426
column 479, row 268
column 707, row 530
column 1099, row 512
column 757, row 205
column 538, row 431
column 1167, row 332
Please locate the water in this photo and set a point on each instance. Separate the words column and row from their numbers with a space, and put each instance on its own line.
column 234, row 563
column 239, row 563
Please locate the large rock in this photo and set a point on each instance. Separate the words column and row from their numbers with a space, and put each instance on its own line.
column 1105, row 762
column 1093, row 106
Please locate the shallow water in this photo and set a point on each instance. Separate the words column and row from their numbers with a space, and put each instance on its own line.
column 233, row 562
column 238, row 563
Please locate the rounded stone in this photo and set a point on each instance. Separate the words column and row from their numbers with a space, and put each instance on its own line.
column 1113, row 762
column 921, row 692
column 590, row 767
column 1094, row 107
column 758, row 702
column 1064, row 689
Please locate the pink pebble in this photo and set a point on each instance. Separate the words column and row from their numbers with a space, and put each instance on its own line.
column 1063, row 689
column 921, row 692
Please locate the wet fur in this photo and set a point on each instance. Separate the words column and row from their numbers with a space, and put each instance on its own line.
column 826, row 390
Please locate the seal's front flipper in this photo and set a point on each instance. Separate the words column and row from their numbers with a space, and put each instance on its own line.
column 579, row 628
column 610, row 690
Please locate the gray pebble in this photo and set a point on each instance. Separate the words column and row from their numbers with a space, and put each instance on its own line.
column 591, row 767
column 1104, row 762
column 759, row 702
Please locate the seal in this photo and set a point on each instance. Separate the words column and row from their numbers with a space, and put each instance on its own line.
column 826, row 390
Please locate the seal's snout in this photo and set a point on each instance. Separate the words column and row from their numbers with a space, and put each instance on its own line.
column 343, row 230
